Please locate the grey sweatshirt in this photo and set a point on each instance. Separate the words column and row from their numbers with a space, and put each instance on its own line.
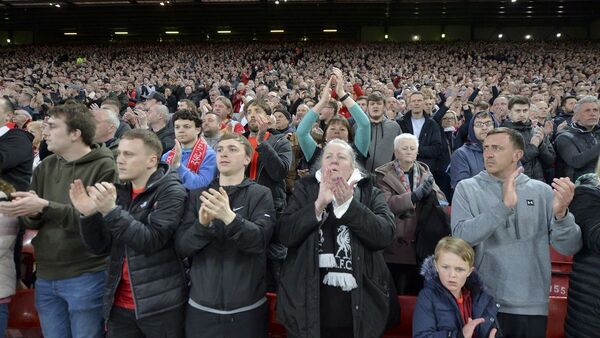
column 381, row 148
column 511, row 245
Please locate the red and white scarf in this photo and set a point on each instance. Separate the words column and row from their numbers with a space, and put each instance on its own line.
column 196, row 157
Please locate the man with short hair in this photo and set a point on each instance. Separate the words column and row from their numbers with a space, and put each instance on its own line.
column 271, row 161
column 211, row 128
column 226, row 230
column 539, row 153
column 383, row 132
column 135, row 222
column 510, row 220
column 107, row 124
column 16, row 152
column 191, row 157
column 158, row 122
column 467, row 161
column 564, row 114
column 115, row 106
column 578, row 146
column 427, row 131
column 500, row 108
column 70, row 280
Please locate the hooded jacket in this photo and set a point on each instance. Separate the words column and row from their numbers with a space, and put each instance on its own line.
column 436, row 312
column 59, row 249
column 16, row 157
column 503, row 238
column 584, row 282
column 381, row 148
column 141, row 231
column 578, row 150
column 467, row 161
column 372, row 227
column 229, row 262
column 535, row 160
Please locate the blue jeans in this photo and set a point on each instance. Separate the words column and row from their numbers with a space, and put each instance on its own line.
column 72, row 307
column 3, row 319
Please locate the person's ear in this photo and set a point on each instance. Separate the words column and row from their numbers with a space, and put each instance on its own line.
column 247, row 160
column 517, row 155
column 75, row 134
column 471, row 271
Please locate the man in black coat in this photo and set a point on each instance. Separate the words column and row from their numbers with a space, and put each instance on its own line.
column 416, row 122
column 16, row 151
column 145, row 291
column 226, row 231
column 578, row 147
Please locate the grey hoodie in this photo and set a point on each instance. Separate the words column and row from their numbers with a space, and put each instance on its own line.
column 381, row 148
column 511, row 245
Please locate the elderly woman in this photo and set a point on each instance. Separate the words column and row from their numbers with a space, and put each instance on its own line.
column 334, row 282
column 584, row 300
column 411, row 192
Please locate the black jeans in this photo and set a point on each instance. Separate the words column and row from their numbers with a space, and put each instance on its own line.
column 522, row 326
column 122, row 324
column 247, row 324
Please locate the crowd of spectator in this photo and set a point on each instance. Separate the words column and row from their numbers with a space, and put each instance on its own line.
column 324, row 172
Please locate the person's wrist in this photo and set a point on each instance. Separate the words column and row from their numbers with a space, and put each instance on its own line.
column 344, row 96
column 229, row 217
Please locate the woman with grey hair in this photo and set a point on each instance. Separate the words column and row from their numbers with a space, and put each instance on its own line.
column 409, row 189
column 334, row 282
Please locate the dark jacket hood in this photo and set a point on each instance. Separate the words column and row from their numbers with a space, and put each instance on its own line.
column 430, row 274
column 590, row 179
column 471, row 138
column 518, row 126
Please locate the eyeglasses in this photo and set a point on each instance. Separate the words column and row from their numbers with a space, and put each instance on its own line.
column 482, row 124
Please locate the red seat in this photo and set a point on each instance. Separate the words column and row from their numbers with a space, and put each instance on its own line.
column 404, row 329
column 560, row 263
column 557, row 312
column 21, row 311
column 276, row 330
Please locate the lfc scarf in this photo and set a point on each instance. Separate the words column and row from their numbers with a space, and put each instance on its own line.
column 196, row 157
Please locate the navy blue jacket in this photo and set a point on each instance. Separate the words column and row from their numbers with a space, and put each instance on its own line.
column 467, row 161
column 437, row 315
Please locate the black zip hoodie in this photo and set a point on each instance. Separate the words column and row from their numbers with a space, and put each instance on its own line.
column 229, row 261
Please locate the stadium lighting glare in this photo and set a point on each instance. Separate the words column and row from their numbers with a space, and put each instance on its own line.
column 70, row 33
column 500, row 36
column 386, row 36
column 416, row 38
column 162, row 3
column 121, row 33
column 558, row 35
column 224, row 32
column 330, row 31
column 8, row 41
column 57, row 5
column 513, row 1
column 277, row 31
column 528, row 37
column 277, row 2
column 443, row 35
column 172, row 32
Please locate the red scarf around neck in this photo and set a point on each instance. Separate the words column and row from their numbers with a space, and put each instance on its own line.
column 196, row 157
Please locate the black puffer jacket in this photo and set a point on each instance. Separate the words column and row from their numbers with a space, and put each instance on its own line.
column 229, row 262
column 372, row 226
column 16, row 158
column 142, row 232
column 578, row 150
column 584, row 300
column 535, row 160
